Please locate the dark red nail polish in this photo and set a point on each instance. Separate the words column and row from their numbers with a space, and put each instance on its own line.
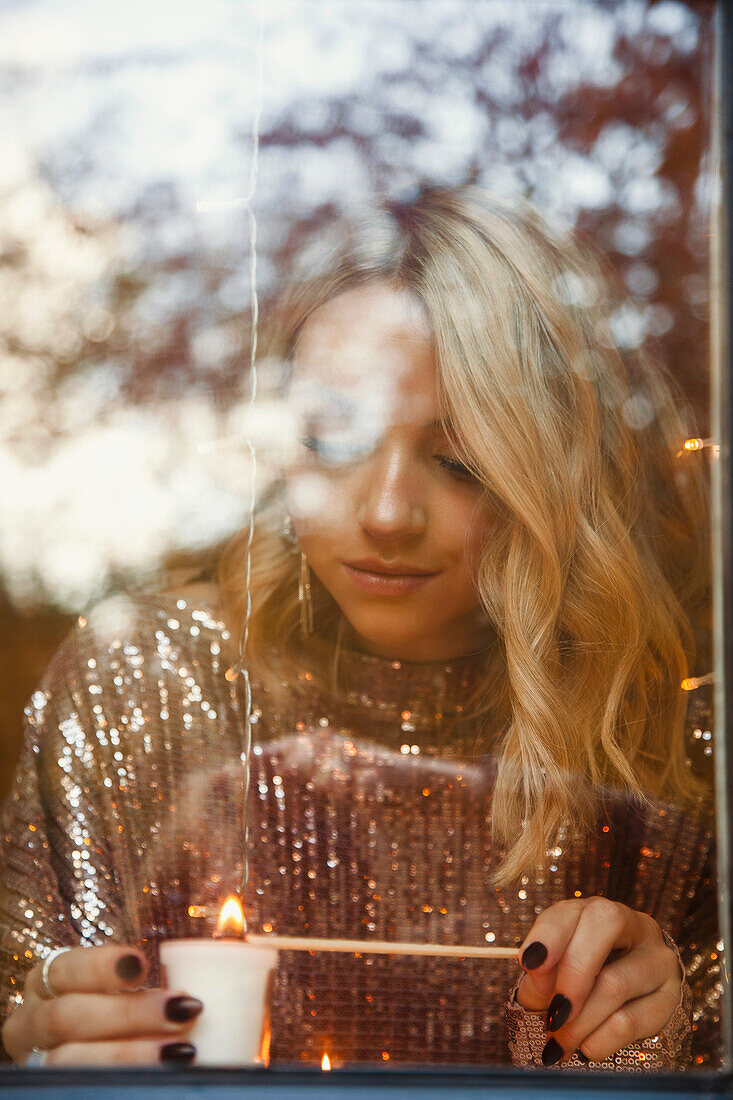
column 178, row 1054
column 129, row 967
column 534, row 955
column 552, row 1052
column 558, row 1012
column 581, row 1057
column 180, row 1009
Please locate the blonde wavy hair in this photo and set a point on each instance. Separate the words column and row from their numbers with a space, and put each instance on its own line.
column 597, row 581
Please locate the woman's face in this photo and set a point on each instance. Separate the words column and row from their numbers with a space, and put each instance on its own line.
column 390, row 521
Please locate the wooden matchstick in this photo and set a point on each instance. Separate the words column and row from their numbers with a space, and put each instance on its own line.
column 382, row 947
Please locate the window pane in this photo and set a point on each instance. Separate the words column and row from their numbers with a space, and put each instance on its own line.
column 356, row 556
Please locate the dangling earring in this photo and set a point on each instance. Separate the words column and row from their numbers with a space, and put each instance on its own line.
column 304, row 597
column 287, row 533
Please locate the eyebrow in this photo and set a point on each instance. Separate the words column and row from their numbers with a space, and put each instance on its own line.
column 347, row 404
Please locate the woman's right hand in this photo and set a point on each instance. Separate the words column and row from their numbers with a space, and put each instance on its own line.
column 98, row 1016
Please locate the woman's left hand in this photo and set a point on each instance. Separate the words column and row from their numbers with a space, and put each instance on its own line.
column 603, row 973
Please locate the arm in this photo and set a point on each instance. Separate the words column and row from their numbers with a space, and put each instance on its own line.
column 670, row 874
column 33, row 916
column 38, row 895
column 701, row 952
column 97, row 1014
column 531, row 1043
column 662, row 863
column 76, row 833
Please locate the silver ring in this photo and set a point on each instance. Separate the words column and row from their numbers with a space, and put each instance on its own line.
column 45, row 969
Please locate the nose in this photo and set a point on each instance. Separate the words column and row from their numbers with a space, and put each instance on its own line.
column 392, row 504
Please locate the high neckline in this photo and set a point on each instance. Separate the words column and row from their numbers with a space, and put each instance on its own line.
column 394, row 686
column 418, row 693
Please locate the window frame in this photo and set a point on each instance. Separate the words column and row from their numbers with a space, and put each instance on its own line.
column 460, row 1082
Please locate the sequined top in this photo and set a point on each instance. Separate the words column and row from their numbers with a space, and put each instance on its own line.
column 363, row 822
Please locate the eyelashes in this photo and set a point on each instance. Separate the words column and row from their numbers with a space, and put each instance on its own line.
column 333, row 454
column 342, row 454
column 458, row 469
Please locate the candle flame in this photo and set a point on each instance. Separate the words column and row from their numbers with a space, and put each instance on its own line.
column 693, row 444
column 231, row 918
column 325, row 1062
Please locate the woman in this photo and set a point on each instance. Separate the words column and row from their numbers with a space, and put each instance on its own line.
column 475, row 592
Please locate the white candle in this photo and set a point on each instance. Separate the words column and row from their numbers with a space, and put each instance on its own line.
column 231, row 979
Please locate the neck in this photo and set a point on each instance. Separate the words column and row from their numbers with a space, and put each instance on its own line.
column 423, row 650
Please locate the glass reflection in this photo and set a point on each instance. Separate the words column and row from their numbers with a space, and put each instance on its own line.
column 463, row 651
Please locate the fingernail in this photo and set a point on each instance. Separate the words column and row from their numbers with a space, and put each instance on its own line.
column 129, row 967
column 534, row 955
column 180, row 1009
column 581, row 1057
column 558, row 1012
column 552, row 1052
column 179, row 1054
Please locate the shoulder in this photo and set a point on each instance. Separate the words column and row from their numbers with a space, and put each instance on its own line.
column 144, row 616
column 657, row 853
column 637, row 820
column 137, row 667
column 133, row 635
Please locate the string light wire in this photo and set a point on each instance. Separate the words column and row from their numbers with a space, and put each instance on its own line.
column 255, row 315
column 240, row 669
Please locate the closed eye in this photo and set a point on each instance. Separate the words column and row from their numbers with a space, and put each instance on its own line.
column 342, row 453
column 334, row 454
column 458, row 469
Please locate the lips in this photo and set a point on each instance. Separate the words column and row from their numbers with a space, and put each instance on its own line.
column 390, row 569
column 378, row 578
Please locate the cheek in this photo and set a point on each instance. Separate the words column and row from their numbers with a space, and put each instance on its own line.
column 465, row 533
column 314, row 503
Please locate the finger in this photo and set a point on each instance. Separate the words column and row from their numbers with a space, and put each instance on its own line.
column 634, row 1021
column 545, row 943
column 535, row 991
column 82, row 968
column 604, row 925
column 542, row 950
column 91, row 1017
column 638, row 974
column 90, row 970
column 133, row 1052
column 14, row 1034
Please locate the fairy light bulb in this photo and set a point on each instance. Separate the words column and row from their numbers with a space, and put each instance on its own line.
column 696, row 443
column 691, row 683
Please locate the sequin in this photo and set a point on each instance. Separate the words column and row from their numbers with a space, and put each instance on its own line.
column 358, row 827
